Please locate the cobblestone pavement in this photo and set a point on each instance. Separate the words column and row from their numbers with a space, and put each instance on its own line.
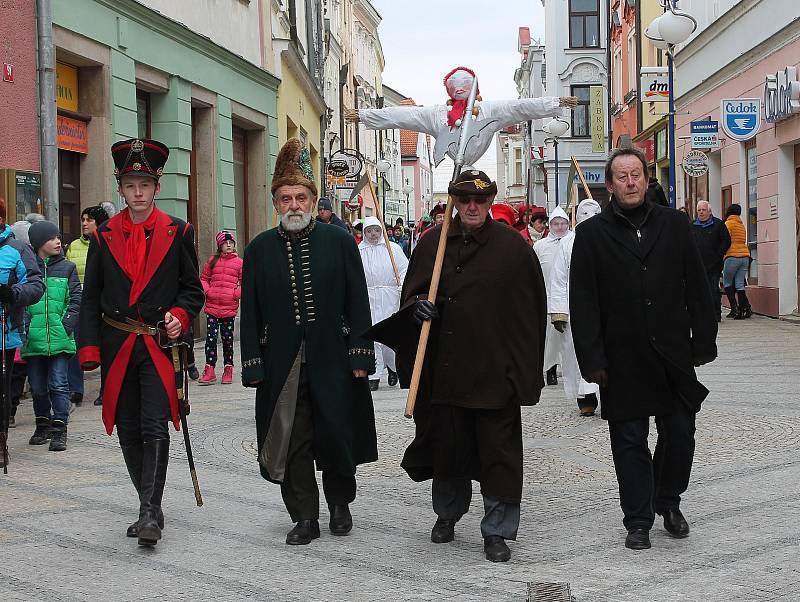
column 63, row 515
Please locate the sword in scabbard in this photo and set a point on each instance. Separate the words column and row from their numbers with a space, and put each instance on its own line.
column 178, row 349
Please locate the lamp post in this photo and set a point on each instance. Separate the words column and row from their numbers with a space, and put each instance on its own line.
column 556, row 128
column 407, row 190
column 383, row 167
column 665, row 32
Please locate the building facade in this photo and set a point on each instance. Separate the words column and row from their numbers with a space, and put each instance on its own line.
column 748, row 49
column 132, row 70
column 575, row 50
column 20, row 175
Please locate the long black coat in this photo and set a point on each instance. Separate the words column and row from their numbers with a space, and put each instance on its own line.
column 712, row 242
column 641, row 310
column 486, row 349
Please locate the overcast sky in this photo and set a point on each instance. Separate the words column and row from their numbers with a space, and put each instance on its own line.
column 424, row 39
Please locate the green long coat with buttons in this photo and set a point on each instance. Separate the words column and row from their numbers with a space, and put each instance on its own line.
column 311, row 288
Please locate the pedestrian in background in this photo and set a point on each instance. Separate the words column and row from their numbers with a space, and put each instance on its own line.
column 736, row 265
column 78, row 249
column 50, row 343
column 326, row 215
column 641, row 322
column 712, row 240
column 20, row 286
column 538, row 226
column 222, row 284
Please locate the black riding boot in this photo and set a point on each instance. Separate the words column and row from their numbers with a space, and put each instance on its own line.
column 730, row 291
column 155, row 458
column 133, row 460
column 745, row 311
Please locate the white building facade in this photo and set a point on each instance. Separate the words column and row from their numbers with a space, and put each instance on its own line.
column 576, row 38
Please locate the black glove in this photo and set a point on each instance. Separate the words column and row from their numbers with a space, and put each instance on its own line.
column 424, row 310
column 599, row 377
column 6, row 294
column 560, row 325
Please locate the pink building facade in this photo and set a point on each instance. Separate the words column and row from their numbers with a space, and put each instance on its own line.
column 19, row 124
column 762, row 173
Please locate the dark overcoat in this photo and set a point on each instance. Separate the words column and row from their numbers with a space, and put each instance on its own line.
column 712, row 242
column 330, row 315
column 171, row 282
column 640, row 308
column 486, row 349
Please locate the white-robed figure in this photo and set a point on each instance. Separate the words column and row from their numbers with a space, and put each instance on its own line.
column 546, row 249
column 443, row 121
column 384, row 291
column 575, row 387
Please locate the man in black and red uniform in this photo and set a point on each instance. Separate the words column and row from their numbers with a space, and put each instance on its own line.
column 141, row 286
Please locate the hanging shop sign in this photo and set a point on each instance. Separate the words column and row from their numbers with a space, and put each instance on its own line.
column 597, row 117
column 73, row 135
column 654, row 84
column 8, row 73
column 354, row 162
column 67, row 87
column 695, row 164
column 781, row 95
column 705, row 134
column 740, row 117
column 355, row 203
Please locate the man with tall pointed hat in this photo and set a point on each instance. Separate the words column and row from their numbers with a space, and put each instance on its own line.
column 304, row 310
column 483, row 362
column 141, row 287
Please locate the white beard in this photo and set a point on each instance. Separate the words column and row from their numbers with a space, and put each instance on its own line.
column 295, row 225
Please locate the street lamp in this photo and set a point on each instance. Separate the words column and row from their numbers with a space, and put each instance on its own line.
column 407, row 190
column 383, row 167
column 556, row 128
column 665, row 32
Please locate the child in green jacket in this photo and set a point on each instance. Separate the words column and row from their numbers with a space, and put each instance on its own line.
column 50, row 343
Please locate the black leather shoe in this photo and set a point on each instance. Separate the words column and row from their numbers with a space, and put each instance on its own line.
column 98, row 401
column 496, row 549
column 392, row 379
column 675, row 524
column 638, row 539
column 443, row 531
column 373, row 385
column 303, row 532
column 341, row 520
column 552, row 377
column 133, row 529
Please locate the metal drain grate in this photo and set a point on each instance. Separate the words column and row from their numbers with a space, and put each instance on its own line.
column 549, row 592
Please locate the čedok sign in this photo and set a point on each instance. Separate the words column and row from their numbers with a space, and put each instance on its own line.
column 740, row 117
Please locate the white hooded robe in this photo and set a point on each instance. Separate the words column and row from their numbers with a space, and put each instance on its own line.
column 384, row 292
column 558, row 303
column 546, row 249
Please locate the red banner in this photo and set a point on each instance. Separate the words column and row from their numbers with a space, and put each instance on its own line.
column 73, row 135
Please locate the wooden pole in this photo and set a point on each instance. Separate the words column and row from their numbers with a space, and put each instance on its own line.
column 379, row 211
column 581, row 178
column 426, row 325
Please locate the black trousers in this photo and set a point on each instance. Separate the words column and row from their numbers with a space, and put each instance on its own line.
column 652, row 484
column 299, row 488
column 716, row 297
column 143, row 412
column 7, row 396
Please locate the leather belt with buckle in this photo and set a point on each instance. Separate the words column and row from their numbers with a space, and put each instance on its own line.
column 135, row 327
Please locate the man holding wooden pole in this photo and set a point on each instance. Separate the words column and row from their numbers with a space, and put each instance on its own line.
column 484, row 361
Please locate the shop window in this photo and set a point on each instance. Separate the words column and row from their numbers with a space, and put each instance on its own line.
column 584, row 23
column 727, row 200
column 580, row 116
column 696, row 190
column 144, row 116
column 751, row 154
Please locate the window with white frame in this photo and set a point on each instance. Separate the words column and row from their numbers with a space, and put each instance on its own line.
column 618, row 92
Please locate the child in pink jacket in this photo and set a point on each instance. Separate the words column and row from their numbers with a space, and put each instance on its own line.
column 222, row 280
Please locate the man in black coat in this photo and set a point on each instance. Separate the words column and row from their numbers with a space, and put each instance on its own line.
column 713, row 240
column 484, row 360
column 641, row 321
